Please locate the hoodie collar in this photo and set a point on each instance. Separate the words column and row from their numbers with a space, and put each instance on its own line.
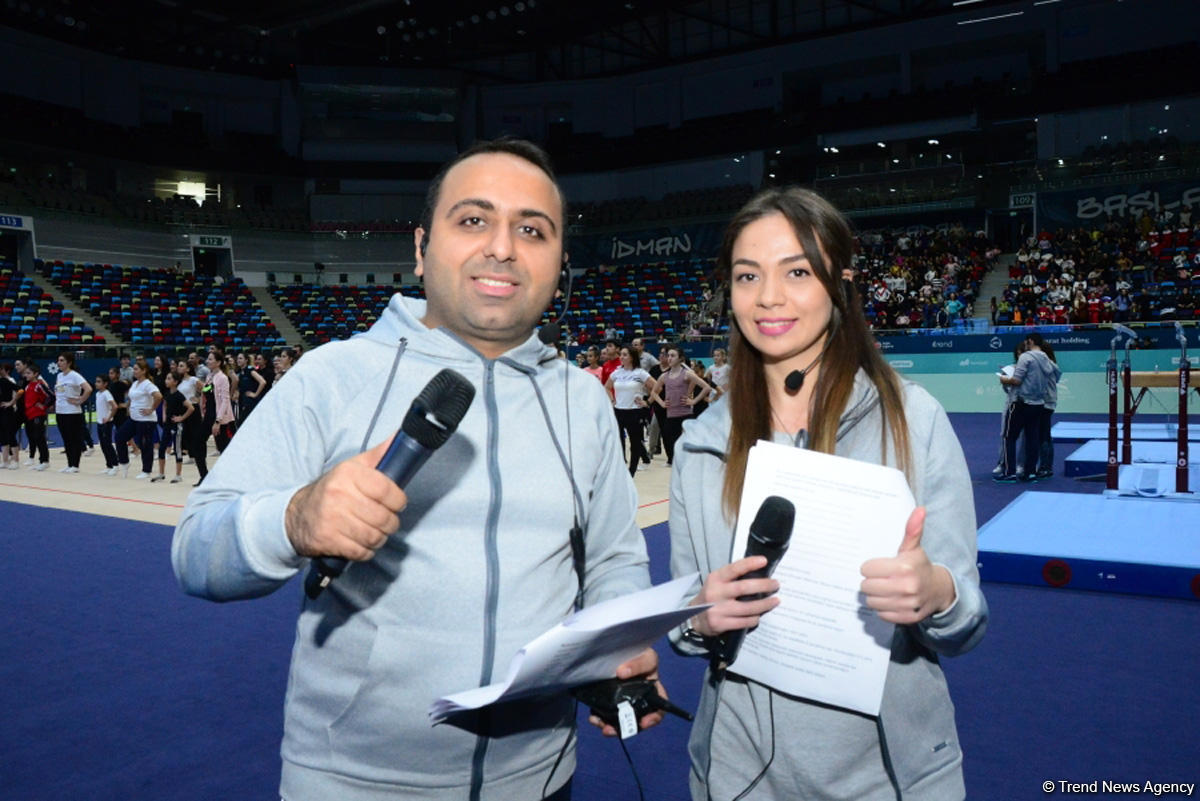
column 714, row 425
column 402, row 319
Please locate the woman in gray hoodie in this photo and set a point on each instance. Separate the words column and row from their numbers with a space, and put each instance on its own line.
column 806, row 372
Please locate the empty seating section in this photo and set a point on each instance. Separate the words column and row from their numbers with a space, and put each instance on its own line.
column 163, row 307
column 649, row 300
column 29, row 315
column 322, row 313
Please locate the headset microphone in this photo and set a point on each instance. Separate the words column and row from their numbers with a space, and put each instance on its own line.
column 769, row 535
column 433, row 416
column 549, row 333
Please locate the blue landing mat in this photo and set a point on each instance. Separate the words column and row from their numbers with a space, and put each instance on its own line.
column 1071, row 431
column 1091, row 458
column 1089, row 542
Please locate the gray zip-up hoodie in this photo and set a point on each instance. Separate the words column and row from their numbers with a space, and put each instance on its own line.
column 911, row 750
column 1039, row 379
column 480, row 566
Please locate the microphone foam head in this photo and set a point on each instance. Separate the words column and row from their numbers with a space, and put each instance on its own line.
column 548, row 333
column 794, row 380
column 437, row 411
column 773, row 523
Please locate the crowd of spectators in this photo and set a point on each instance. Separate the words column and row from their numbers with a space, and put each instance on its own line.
column 922, row 278
column 1120, row 270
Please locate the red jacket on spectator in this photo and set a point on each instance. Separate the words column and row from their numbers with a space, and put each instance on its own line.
column 38, row 399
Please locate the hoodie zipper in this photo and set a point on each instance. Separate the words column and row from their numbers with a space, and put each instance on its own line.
column 492, row 551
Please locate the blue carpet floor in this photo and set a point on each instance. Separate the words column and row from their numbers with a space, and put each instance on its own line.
column 117, row 687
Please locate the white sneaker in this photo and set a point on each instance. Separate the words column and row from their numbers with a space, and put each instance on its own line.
column 159, row 477
column 124, row 471
column 64, row 469
column 142, row 475
column 112, row 471
column 29, row 463
column 177, row 479
column 14, row 466
column 90, row 451
column 40, row 467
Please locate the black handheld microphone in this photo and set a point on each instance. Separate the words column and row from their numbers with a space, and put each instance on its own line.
column 433, row 416
column 769, row 535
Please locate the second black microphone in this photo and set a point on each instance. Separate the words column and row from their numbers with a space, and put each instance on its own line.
column 769, row 536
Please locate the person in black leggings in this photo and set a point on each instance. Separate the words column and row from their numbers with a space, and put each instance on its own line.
column 71, row 391
column 176, row 411
column 629, row 384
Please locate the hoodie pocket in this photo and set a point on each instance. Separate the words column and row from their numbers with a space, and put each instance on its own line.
column 383, row 734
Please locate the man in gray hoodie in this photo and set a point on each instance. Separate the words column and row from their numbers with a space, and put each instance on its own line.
column 451, row 576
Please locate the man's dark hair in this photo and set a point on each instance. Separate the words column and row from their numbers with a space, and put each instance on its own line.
column 521, row 148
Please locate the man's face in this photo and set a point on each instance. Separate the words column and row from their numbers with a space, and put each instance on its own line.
column 193, row 358
column 610, row 351
column 495, row 251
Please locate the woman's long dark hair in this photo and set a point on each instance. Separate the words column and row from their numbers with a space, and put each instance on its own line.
column 1036, row 339
column 850, row 346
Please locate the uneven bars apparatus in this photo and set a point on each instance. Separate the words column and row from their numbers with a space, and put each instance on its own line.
column 1112, row 471
column 1185, row 367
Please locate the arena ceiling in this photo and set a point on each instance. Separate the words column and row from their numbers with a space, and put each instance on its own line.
column 500, row 40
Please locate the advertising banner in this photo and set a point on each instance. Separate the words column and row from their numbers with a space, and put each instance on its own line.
column 1078, row 207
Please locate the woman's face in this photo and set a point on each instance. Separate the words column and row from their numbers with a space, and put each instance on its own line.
column 138, row 372
column 626, row 359
column 780, row 304
column 593, row 356
column 63, row 364
column 241, row 360
column 158, row 362
column 113, row 374
column 259, row 361
column 212, row 362
column 674, row 358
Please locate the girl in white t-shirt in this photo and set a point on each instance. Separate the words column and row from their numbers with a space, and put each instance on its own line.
column 144, row 398
column 718, row 374
column 106, row 408
column 629, row 385
column 70, row 392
